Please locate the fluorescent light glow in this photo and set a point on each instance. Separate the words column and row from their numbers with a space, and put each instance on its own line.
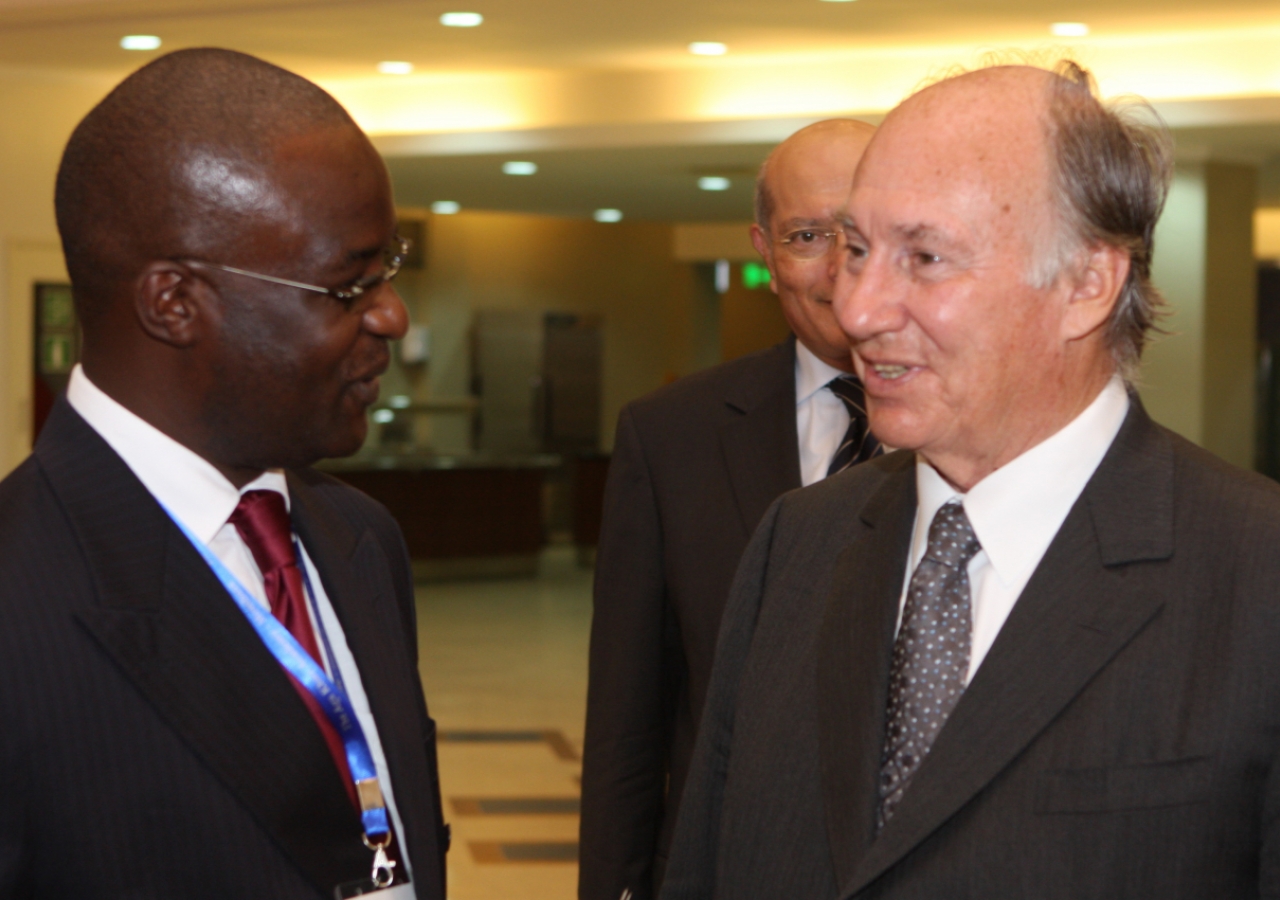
column 383, row 416
column 461, row 19
column 607, row 215
column 399, row 401
column 713, row 183
column 519, row 167
column 445, row 207
column 1069, row 29
column 139, row 42
column 395, row 67
column 708, row 48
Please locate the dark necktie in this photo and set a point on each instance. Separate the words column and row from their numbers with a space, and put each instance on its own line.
column 263, row 524
column 930, row 656
column 859, row 444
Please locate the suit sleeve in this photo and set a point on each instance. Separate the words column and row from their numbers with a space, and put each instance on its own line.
column 628, row 700
column 691, row 868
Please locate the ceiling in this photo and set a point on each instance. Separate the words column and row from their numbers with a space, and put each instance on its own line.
column 653, row 183
column 332, row 37
column 593, row 48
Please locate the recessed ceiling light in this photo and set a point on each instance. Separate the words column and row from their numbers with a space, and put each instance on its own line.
column 445, row 207
column 395, row 67
column 519, row 167
column 1069, row 29
column 607, row 215
column 139, row 42
column 713, row 183
column 461, row 19
column 708, row 48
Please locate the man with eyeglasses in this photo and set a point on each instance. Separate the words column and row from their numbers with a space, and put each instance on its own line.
column 208, row 679
column 695, row 466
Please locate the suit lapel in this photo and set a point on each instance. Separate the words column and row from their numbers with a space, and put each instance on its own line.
column 759, row 440
column 356, row 576
column 173, row 631
column 1077, row 612
column 853, row 662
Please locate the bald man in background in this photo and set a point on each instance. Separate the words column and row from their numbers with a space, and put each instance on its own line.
column 695, row 466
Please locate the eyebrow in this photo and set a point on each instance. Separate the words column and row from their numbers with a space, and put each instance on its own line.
column 807, row 223
column 924, row 231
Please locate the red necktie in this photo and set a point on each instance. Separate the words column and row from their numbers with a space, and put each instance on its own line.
column 263, row 524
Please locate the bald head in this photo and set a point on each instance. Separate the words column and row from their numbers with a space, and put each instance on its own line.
column 818, row 157
column 175, row 162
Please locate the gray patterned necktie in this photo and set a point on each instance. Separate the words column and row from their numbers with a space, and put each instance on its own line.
column 859, row 444
column 930, row 656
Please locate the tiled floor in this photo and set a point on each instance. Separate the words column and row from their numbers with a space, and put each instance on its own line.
column 504, row 664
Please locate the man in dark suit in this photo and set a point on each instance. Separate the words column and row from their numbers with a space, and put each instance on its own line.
column 1037, row 656
column 694, row 467
column 230, row 236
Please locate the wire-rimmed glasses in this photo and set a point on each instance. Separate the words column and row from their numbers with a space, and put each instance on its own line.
column 393, row 257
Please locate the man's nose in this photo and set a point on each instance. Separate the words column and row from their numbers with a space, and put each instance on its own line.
column 386, row 316
column 863, row 300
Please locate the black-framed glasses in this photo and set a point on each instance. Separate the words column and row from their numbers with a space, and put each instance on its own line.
column 393, row 257
column 809, row 243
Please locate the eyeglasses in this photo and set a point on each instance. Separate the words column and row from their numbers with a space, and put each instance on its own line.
column 809, row 243
column 393, row 257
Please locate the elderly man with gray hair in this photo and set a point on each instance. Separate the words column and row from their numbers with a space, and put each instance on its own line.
column 1032, row 654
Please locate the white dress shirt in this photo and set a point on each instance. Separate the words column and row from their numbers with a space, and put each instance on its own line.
column 821, row 417
column 197, row 493
column 1017, row 510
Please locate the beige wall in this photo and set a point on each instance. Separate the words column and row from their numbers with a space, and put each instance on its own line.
column 38, row 111
column 657, row 320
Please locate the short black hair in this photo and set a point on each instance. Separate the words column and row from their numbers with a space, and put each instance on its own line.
column 120, row 201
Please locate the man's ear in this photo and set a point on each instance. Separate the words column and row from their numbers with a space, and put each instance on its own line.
column 764, row 247
column 172, row 305
column 1095, row 290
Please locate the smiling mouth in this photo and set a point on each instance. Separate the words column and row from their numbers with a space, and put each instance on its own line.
column 890, row 372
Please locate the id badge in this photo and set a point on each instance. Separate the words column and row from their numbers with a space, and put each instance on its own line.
column 366, row 888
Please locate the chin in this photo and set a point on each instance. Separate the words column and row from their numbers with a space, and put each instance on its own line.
column 892, row 431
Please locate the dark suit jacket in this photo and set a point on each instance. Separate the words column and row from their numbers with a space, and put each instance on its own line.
column 1119, row 740
column 150, row 745
column 695, row 465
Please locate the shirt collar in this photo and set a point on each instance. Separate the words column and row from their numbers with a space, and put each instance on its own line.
column 812, row 374
column 185, row 483
column 1017, row 510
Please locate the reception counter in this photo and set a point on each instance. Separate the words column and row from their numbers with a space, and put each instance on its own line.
column 462, row 516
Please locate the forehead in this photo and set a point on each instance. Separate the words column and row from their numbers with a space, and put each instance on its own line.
column 810, row 176
column 335, row 172
column 974, row 150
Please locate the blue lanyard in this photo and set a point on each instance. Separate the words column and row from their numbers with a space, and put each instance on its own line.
column 332, row 699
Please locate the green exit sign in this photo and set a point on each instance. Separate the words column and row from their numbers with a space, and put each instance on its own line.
column 755, row 276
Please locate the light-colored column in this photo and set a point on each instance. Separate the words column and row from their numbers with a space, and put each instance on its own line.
column 1199, row 378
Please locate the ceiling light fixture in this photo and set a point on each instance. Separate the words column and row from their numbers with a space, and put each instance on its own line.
column 140, row 42
column 607, row 215
column 395, row 67
column 461, row 19
column 445, row 208
column 713, row 183
column 1069, row 29
column 519, row 167
column 708, row 48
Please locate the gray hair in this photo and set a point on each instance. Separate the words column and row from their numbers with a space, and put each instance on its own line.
column 1110, row 180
